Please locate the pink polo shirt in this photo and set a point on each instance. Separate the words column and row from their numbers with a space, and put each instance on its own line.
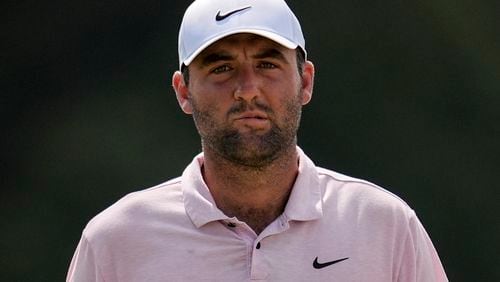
column 334, row 228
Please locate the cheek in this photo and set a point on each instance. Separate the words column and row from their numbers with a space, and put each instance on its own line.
column 206, row 113
column 292, row 107
column 208, row 97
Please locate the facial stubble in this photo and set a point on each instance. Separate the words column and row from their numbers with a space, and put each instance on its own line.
column 250, row 149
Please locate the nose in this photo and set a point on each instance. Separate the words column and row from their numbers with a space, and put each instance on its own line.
column 248, row 84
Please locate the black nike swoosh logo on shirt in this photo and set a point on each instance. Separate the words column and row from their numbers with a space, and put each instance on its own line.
column 220, row 17
column 318, row 265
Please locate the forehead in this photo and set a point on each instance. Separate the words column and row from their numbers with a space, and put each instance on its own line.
column 242, row 40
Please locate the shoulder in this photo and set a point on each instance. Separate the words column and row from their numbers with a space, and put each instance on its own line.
column 137, row 209
column 359, row 195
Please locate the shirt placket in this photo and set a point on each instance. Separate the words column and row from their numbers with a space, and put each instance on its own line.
column 260, row 265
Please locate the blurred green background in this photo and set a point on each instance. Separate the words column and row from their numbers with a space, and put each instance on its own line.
column 407, row 95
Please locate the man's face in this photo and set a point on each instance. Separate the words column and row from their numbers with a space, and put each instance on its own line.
column 246, row 95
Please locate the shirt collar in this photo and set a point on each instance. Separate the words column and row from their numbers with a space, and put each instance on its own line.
column 199, row 203
column 304, row 202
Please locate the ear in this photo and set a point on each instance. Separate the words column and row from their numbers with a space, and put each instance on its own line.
column 307, row 82
column 182, row 92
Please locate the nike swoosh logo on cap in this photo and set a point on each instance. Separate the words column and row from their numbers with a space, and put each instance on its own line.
column 318, row 265
column 219, row 17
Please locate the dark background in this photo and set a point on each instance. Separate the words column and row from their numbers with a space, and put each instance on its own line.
column 407, row 95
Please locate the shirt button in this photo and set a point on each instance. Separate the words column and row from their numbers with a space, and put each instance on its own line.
column 258, row 246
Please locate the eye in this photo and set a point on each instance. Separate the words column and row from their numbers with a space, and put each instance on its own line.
column 267, row 65
column 221, row 69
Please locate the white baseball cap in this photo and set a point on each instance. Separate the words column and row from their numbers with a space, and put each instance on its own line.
column 206, row 21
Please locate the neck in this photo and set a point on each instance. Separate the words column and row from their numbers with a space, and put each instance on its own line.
column 256, row 196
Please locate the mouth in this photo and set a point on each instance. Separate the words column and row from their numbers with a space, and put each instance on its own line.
column 252, row 120
column 251, row 115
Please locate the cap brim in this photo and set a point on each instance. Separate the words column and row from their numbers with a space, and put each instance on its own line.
column 264, row 33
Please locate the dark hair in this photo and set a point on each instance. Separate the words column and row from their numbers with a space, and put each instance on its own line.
column 301, row 59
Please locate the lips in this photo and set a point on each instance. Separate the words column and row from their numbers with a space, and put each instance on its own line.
column 251, row 115
column 252, row 121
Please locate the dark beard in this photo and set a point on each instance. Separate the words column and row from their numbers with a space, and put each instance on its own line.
column 252, row 151
column 249, row 149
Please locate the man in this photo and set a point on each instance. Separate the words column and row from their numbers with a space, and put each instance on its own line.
column 252, row 206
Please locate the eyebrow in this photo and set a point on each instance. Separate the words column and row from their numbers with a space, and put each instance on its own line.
column 273, row 53
column 215, row 57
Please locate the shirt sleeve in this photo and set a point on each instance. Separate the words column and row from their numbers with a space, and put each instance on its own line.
column 420, row 262
column 84, row 267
